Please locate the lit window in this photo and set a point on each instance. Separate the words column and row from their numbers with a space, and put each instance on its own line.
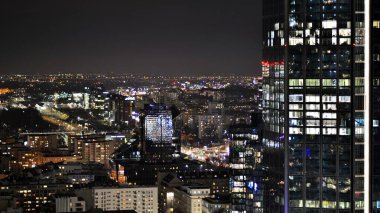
column 312, row 82
column 376, row 24
column 296, row 98
column 312, row 114
column 312, row 98
column 329, row 24
column 344, row 82
column 296, row 82
column 329, row 131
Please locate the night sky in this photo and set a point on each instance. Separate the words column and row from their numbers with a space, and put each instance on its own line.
column 170, row 37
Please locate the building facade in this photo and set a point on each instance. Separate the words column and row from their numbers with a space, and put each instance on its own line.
column 374, row 113
column 320, row 104
column 141, row 199
column 246, row 185
column 157, row 137
column 188, row 199
column 69, row 204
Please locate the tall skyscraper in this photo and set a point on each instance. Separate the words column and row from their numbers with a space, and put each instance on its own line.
column 157, row 135
column 122, row 108
column 321, row 104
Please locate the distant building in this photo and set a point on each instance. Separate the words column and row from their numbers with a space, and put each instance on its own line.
column 96, row 149
column 31, row 196
column 188, row 199
column 76, row 142
column 215, row 181
column 43, row 141
column 157, row 143
column 142, row 199
column 66, row 203
column 246, row 177
column 141, row 173
column 99, row 151
column 66, row 168
column 166, row 184
column 100, row 99
column 213, row 205
column 54, row 157
column 80, row 178
column 8, row 204
column 122, row 108
column 210, row 126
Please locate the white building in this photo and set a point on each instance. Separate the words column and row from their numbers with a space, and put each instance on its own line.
column 69, row 204
column 140, row 199
column 188, row 199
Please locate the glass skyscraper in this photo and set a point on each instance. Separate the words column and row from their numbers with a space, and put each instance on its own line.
column 247, row 174
column 321, row 104
column 157, row 134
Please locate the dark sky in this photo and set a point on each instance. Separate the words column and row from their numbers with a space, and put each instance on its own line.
column 170, row 37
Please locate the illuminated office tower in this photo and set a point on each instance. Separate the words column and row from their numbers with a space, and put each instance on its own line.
column 321, row 104
column 246, row 176
column 157, row 135
column 122, row 108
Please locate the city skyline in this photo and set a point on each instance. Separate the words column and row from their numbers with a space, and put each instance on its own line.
column 302, row 137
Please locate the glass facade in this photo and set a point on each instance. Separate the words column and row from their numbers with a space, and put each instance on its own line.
column 375, row 109
column 159, row 127
column 246, row 179
column 157, row 134
column 314, row 103
column 274, row 112
column 359, row 99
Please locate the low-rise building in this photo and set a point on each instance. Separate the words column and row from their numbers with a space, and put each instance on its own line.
column 142, row 199
column 188, row 199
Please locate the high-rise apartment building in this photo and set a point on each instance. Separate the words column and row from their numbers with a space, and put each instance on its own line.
column 320, row 104
column 141, row 199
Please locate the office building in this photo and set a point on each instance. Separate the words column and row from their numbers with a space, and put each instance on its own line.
column 33, row 195
column 157, row 134
column 246, row 176
column 210, row 126
column 320, row 105
column 122, row 108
